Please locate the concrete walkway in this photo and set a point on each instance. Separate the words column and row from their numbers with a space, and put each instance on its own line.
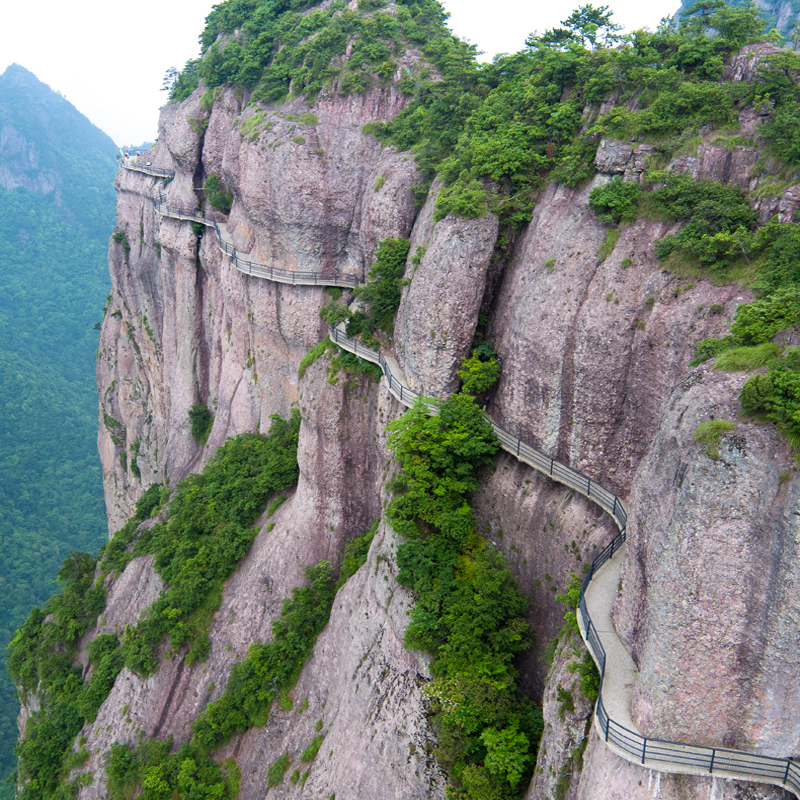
column 620, row 671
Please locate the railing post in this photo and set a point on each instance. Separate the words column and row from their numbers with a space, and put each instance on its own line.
column 786, row 774
column 713, row 756
column 614, row 512
column 644, row 749
column 608, row 722
column 551, row 467
column 519, row 442
column 589, row 487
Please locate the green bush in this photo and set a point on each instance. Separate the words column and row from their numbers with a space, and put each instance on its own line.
column 469, row 612
column 607, row 248
column 310, row 753
column 271, row 667
column 216, row 194
column 355, row 554
column 709, row 433
column 477, row 374
column 747, row 358
column 277, row 770
column 465, row 198
column 617, row 201
column 120, row 238
column 718, row 219
column 382, row 292
column 149, row 503
column 202, row 421
column 152, row 770
column 313, row 355
column 776, row 395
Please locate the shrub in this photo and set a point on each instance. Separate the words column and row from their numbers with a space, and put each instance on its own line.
column 465, row 198
column 607, row 248
column 310, row 753
column 120, row 238
column 355, row 555
column 576, row 164
column 277, row 770
column 151, row 767
column 382, row 293
column 478, row 375
column 776, row 395
column 207, row 533
column 149, row 502
column 313, row 355
column 217, row 196
column 617, row 201
column 271, row 667
column 202, row 421
column 747, row 358
column 718, row 219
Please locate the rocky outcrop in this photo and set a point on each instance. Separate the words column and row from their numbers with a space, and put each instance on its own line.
column 183, row 328
column 438, row 311
column 729, row 513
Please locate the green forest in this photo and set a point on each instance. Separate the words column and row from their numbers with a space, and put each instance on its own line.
column 53, row 283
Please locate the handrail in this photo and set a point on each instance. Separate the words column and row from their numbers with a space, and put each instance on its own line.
column 246, row 266
column 655, row 753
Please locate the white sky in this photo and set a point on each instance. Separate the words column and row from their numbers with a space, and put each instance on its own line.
column 108, row 59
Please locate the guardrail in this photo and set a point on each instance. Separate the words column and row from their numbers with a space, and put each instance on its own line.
column 244, row 265
column 147, row 169
column 654, row 753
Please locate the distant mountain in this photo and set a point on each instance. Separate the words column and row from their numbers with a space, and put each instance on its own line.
column 57, row 207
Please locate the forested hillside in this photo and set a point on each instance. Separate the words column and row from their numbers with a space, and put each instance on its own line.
column 56, row 214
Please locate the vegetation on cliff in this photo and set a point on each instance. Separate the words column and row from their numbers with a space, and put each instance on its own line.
column 469, row 613
column 206, row 532
column 277, row 48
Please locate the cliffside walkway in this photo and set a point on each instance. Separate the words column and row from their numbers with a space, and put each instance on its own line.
column 613, row 717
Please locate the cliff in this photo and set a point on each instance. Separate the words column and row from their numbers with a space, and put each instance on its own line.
column 595, row 344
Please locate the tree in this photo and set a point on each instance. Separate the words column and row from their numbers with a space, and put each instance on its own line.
column 477, row 375
column 593, row 25
column 170, row 80
column 586, row 24
column 735, row 26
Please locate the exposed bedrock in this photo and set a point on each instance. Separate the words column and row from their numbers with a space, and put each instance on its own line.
column 710, row 601
column 591, row 349
column 183, row 327
column 438, row 311
column 342, row 442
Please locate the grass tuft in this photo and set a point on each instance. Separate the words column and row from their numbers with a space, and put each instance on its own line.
column 708, row 434
column 747, row 358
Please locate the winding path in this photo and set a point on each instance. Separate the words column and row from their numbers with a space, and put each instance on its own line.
column 612, row 718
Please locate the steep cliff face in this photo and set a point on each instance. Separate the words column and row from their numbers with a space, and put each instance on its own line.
column 594, row 355
column 182, row 327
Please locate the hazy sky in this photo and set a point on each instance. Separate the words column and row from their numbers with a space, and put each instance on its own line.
column 109, row 59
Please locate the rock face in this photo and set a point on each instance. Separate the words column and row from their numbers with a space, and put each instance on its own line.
column 594, row 356
column 729, row 514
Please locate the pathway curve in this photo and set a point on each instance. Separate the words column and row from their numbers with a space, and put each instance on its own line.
column 612, row 718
